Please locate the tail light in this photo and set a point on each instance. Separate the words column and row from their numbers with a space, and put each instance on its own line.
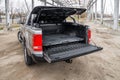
column 89, row 35
column 37, row 42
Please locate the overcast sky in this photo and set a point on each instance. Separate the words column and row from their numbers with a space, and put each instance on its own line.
column 108, row 9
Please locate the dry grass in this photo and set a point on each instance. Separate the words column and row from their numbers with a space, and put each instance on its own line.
column 12, row 26
column 15, row 25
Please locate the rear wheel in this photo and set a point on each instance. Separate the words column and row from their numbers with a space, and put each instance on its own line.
column 27, row 58
column 19, row 37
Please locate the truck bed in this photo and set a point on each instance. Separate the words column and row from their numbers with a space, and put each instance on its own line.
column 54, row 39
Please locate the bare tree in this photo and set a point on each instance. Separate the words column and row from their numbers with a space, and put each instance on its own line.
column 27, row 6
column 11, row 11
column 0, row 13
column 0, row 16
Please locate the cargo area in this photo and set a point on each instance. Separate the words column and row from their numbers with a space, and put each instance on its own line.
column 55, row 39
column 56, row 34
column 61, row 41
column 65, row 41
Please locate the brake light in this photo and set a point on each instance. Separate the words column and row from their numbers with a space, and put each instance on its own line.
column 37, row 42
column 89, row 35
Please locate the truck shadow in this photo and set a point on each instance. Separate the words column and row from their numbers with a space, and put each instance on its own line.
column 60, row 69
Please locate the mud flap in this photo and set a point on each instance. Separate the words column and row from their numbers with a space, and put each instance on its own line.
column 64, row 52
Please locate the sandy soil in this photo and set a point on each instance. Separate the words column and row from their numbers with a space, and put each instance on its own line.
column 103, row 65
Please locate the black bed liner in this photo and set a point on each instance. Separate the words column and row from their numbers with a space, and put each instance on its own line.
column 55, row 39
column 64, row 52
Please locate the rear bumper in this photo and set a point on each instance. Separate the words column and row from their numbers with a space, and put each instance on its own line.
column 37, row 57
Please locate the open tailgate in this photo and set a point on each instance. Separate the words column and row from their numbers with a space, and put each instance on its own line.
column 64, row 52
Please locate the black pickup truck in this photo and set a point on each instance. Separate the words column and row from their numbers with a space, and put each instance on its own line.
column 47, row 35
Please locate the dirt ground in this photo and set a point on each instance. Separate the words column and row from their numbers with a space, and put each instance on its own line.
column 103, row 65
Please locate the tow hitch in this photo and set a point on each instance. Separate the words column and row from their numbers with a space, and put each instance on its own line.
column 69, row 61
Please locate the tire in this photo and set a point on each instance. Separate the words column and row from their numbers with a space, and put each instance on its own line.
column 19, row 37
column 28, row 60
